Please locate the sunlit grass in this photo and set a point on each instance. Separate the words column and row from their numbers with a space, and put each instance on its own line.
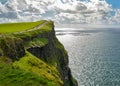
column 10, row 76
column 48, row 27
column 28, row 71
column 16, row 27
column 36, row 42
column 33, row 64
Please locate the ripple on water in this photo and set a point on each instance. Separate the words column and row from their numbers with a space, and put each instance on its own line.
column 95, row 58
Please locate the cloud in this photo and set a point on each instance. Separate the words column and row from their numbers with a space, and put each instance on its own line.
column 61, row 11
column 94, row 11
column 116, row 18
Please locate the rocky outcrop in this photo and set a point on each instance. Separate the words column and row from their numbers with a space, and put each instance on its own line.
column 55, row 54
column 48, row 49
column 11, row 47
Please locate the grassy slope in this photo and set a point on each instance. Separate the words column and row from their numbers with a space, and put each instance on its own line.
column 30, row 34
column 29, row 70
column 16, row 77
column 36, row 42
column 33, row 64
column 16, row 27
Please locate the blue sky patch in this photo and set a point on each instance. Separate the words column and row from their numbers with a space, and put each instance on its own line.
column 3, row 1
column 115, row 3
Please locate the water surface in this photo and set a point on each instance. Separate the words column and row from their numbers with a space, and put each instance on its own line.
column 94, row 55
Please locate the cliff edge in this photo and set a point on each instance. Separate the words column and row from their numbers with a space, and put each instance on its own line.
column 34, row 57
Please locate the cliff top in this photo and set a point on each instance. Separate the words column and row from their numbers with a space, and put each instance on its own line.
column 31, row 55
column 22, row 26
column 17, row 65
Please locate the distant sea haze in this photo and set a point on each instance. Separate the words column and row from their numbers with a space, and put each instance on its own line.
column 85, row 26
column 94, row 55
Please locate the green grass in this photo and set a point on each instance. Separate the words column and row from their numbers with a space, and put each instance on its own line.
column 16, row 27
column 47, row 28
column 33, row 64
column 36, row 42
column 28, row 70
column 10, row 76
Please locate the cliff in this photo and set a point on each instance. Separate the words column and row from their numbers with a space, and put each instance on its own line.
column 34, row 57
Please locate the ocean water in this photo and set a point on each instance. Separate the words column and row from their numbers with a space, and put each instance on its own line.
column 94, row 55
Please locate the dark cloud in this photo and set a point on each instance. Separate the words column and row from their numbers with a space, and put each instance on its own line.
column 9, row 15
column 80, row 7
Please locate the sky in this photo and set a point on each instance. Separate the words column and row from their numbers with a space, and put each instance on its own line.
column 61, row 11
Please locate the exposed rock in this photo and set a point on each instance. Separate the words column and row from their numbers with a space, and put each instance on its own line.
column 12, row 47
column 51, row 52
column 55, row 54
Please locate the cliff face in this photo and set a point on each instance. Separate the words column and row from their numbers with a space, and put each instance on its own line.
column 44, row 45
column 11, row 47
column 55, row 54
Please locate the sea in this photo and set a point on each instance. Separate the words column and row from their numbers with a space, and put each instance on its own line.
column 94, row 55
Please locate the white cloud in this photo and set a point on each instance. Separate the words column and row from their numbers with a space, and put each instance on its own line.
column 116, row 18
column 61, row 11
column 83, row 12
